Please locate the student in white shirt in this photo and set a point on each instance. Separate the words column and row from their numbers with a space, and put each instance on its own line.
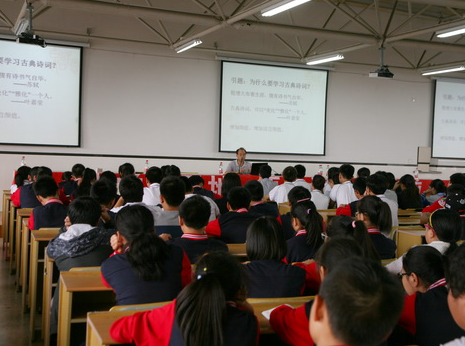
column 320, row 200
column 300, row 181
column 264, row 178
column 279, row 193
column 152, row 191
column 345, row 193
column 333, row 179
column 376, row 186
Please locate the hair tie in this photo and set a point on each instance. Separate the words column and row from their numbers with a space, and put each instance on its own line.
column 205, row 273
column 302, row 200
column 353, row 224
column 309, row 210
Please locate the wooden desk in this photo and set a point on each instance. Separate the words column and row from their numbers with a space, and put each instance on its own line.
column 327, row 214
column 237, row 250
column 80, row 292
column 409, row 221
column 47, row 291
column 6, row 200
column 24, row 270
column 11, row 238
column 21, row 215
column 406, row 238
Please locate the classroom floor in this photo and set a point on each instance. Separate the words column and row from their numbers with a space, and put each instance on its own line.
column 14, row 325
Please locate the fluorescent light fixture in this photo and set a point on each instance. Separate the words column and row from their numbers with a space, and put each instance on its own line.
column 321, row 59
column 443, row 70
column 281, row 7
column 451, row 32
column 188, row 45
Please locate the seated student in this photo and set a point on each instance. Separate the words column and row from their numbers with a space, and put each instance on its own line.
column 279, row 193
column 442, row 232
column 77, row 172
column 264, row 174
column 126, row 169
column 408, row 195
column 67, row 183
column 194, row 214
column 350, row 209
column 390, row 182
column 24, row 196
column 52, row 212
column 296, row 195
column 376, row 186
column 209, row 311
column 440, row 203
column 83, row 189
column 152, row 190
column 232, row 226
column 300, row 181
column 426, row 315
column 363, row 173
column 230, row 180
column 110, row 176
column 333, row 179
column 144, row 269
column 198, row 183
column 436, row 190
column 214, row 210
column 257, row 205
column 267, row 275
column 22, row 177
column 170, row 170
column 345, row 193
column 308, row 225
column 104, row 192
column 320, row 200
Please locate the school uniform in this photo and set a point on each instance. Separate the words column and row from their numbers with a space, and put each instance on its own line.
column 232, row 226
column 427, row 317
column 348, row 210
column 222, row 204
column 385, row 247
column 130, row 288
column 25, row 197
column 51, row 214
column 195, row 245
column 214, row 210
column 273, row 279
column 280, row 192
column 303, row 183
column 320, row 200
column 167, row 221
column 345, row 194
column 203, row 192
column 158, row 327
column 265, row 209
column 286, row 221
column 268, row 185
column 152, row 194
column 68, row 187
column 439, row 204
column 456, row 342
column 298, row 249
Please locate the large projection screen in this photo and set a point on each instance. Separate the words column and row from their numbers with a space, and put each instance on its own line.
column 271, row 109
column 40, row 94
column 449, row 119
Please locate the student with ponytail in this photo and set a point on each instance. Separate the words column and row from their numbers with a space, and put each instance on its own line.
column 84, row 185
column 376, row 215
column 209, row 311
column 144, row 269
column 308, row 225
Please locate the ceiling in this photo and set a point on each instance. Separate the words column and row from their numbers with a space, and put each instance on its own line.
column 357, row 28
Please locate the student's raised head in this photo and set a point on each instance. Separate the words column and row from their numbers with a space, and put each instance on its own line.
column 171, row 170
column 265, row 240
column 230, row 180
column 457, row 178
column 455, row 278
column 238, row 198
column 131, row 189
column 376, row 184
column 305, row 216
column 78, row 170
column 46, row 187
column 43, row 171
column 359, row 186
column 375, row 213
column 363, row 172
column 437, row 186
column 172, row 191
column 333, row 175
column 345, row 226
column 318, row 182
column 346, row 171
column 256, row 190
column 300, row 171
column 154, row 175
column 289, row 174
column 85, row 210
column 197, row 180
column 126, row 169
column 407, row 181
column 422, row 266
column 104, row 192
column 444, row 225
column 298, row 193
column 110, row 176
column 358, row 304
column 201, row 305
column 195, row 212
column 265, row 171
column 21, row 175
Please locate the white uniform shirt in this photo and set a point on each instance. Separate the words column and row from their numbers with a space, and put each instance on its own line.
column 279, row 193
column 394, row 209
column 320, row 200
column 152, row 194
column 345, row 194
column 214, row 210
column 302, row 182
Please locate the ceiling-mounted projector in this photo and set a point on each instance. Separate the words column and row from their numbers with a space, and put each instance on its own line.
column 383, row 71
column 31, row 39
column 25, row 33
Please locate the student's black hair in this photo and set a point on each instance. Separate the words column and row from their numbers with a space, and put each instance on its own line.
column 43, row 171
column 333, row 170
column 308, row 216
column 131, row 189
column 289, row 174
column 457, row 178
column 103, row 191
column 334, row 176
column 256, row 190
column 84, row 210
column 318, row 182
column 377, row 183
column 265, row 240
column 363, row 172
column 391, row 180
column 83, row 190
column 410, row 187
column 300, row 171
column 426, row 262
column 201, row 305
column 173, row 190
column 195, row 211
column 438, row 185
column 126, row 169
column 455, row 271
column 360, row 185
column 230, row 180
column 78, row 170
column 21, row 175
column 366, row 309
column 347, row 171
column 33, row 172
column 172, row 170
column 67, row 176
column 455, row 189
column 377, row 211
column 237, row 150
column 447, row 224
column 335, row 250
column 239, row 197
column 297, row 194
column 147, row 251
column 265, row 171
column 187, row 184
column 110, row 176
column 345, row 226
column 154, row 175
column 45, row 187
column 196, row 180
